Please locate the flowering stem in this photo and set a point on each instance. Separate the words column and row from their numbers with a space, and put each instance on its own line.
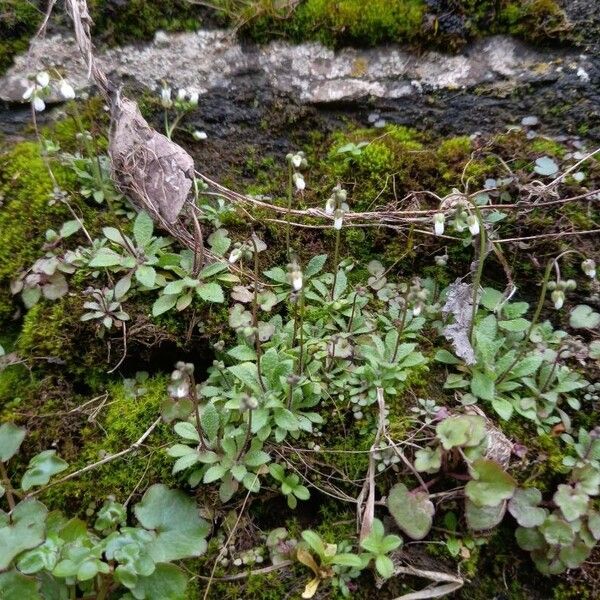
column 534, row 320
column 248, row 432
column 289, row 209
column 255, row 314
column 479, row 272
column 194, row 397
column 336, row 258
column 167, row 132
column 400, row 328
column 300, row 369
column 353, row 311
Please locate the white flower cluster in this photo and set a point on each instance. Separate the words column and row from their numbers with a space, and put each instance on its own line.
column 558, row 291
column 472, row 222
column 589, row 268
column 298, row 161
column 337, row 207
column 184, row 99
column 39, row 88
column 295, row 276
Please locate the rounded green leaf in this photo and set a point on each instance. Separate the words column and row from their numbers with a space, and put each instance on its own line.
column 584, row 317
column 24, row 530
column 163, row 304
column 173, row 515
column 211, row 292
column 384, row 566
column 412, row 511
column 41, row 467
column 481, row 518
column 523, row 506
column 11, row 438
column 490, row 484
column 15, row 586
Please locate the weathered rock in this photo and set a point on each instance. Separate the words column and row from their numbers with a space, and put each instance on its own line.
column 312, row 73
column 492, row 84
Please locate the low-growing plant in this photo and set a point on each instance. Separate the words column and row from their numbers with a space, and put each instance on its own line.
column 46, row 555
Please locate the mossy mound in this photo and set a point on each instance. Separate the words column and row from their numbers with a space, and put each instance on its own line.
column 423, row 22
column 28, row 210
column 18, row 22
column 120, row 417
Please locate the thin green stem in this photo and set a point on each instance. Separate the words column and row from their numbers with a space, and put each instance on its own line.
column 353, row 312
column 479, row 272
column 336, row 260
column 7, row 486
column 255, row 314
column 538, row 311
column 400, row 330
column 167, row 132
column 301, row 357
column 289, row 209
column 247, row 438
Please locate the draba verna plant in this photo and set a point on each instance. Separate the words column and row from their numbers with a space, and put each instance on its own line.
column 325, row 399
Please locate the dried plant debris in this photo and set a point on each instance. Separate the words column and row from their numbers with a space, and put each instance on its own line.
column 459, row 304
column 156, row 173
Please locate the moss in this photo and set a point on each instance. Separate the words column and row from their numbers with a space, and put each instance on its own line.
column 18, row 21
column 26, row 188
column 120, row 423
column 544, row 146
column 355, row 22
column 534, row 20
column 121, row 22
column 15, row 381
column 54, row 330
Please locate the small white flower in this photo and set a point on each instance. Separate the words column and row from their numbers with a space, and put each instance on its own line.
column 438, row 223
column 43, row 78
column 299, row 181
column 199, row 135
column 28, row 92
column 165, row 97
column 589, row 268
column 558, row 297
column 330, row 206
column 235, row 255
column 417, row 308
column 194, row 96
column 338, row 219
column 38, row 104
column 296, row 160
column 473, row 224
column 181, row 94
column 297, row 280
column 340, row 193
column 66, row 90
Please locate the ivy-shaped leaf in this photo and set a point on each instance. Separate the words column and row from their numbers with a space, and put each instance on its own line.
column 11, row 438
column 481, row 518
column 572, row 502
column 462, row 430
column 25, row 529
column 173, row 515
column 41, row 467
column 15, row 586
column 490, row 484
column 523, row 506
column 211, row 292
